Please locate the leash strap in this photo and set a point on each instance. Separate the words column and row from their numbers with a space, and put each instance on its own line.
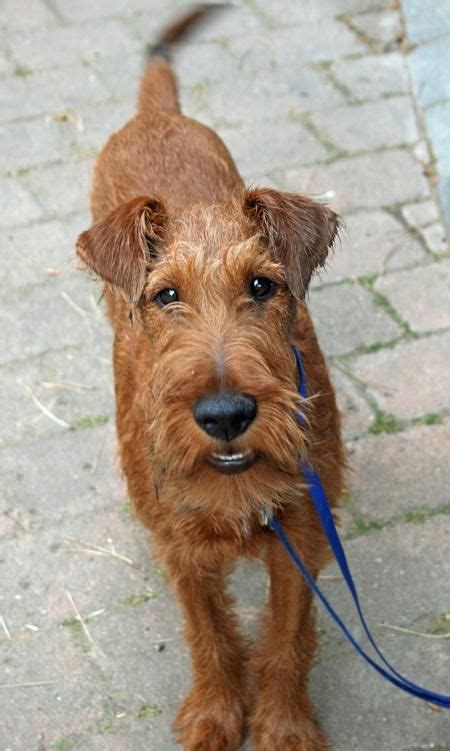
column 323, row 510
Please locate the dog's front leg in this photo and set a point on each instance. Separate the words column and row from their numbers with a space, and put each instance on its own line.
column 283, row 717
column 212, row 716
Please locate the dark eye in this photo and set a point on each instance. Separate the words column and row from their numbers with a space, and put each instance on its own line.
column 261, row 288
column 166, row 296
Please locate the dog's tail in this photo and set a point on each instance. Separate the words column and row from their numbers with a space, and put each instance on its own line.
column 158, row 83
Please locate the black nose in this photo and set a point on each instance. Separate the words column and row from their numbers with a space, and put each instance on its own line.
column 225, row 415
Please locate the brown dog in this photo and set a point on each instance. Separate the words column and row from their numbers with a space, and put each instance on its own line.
column 205, row 282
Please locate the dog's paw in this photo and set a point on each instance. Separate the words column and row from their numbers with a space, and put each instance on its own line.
column 216, row 725
column 304, row 735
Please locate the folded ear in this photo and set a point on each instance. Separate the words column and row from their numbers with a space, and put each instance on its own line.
column 118, row 249
column 298, row 232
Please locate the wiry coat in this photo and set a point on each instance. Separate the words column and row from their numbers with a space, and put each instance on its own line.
column 171, row 210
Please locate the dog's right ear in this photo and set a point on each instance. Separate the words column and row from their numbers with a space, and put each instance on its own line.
column 119, row 248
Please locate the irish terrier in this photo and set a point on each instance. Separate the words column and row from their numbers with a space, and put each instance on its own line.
column 205, row 283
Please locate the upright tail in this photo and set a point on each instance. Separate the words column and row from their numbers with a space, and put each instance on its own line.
column 158, row 86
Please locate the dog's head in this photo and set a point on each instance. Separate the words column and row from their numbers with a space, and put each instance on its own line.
column 216, row 291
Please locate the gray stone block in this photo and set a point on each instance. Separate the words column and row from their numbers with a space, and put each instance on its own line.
column 18, row 205
column 292, row 47
column 51, row 92
column 39, row 250
column 270, row 146
column 394, row 476
column 25, row 16
column 66, row 45
column 384, row 27
column 27, row 143
column 371, row 242
column 52, row 316
column 429, row 65
column 370, row 181
column 357, row 417
column 424, row 22
column 373, row 76
column 63, row 188
column 438, row 124
column 421, row 296
column 409, row 380
column 369, row 126
column 346, row 318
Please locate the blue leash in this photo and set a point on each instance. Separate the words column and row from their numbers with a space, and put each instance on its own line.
column 319, row 499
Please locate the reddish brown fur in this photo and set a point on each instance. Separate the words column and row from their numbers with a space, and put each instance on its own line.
column 170, row 210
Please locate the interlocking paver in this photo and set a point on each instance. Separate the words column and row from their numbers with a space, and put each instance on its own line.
column 373, row 76
column 394, row 478
column 369, row 126
column 410, row 380
column 421, row 296
column 346, row 318
column 291, row 89
column 372, row 242
column 49, row 92
column 364, row 181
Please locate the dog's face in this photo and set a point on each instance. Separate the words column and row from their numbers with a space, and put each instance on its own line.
column 216, row 292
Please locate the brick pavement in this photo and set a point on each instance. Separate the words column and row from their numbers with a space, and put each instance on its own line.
column 330, row 81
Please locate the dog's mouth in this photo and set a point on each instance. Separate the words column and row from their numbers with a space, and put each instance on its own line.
column 231, row 464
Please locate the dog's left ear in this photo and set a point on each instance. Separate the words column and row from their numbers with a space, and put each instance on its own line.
column 298, row 232
column 119, row 248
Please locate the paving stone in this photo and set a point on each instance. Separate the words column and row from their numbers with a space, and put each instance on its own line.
column 83, row 10
column 64, row 45
column 420, row 214
column 369, row 181
column 384, row 27
column 357, row 417
column 296, row 46
column 65, row 708
column 421, row 296
column 409, row 380
column 59, row 478
column 401, row 575
column 75, row 386
column 18, row 205
column 40, row 331
column 369, row 126
column 99, row 123
column 257, row 152
column 251, row 102
column 41, row 141
column 430, row 81
column 392, row 476
column 373, row 76
column 122, row 80
column 23, row 15
column 437, row 120
column 422, row 24
column 39, row 250
column 62, row 188
column 346, row 318
column 6, row 66
column 309, row 9
column 50, row 92
column 436, row 239
column 370, row 243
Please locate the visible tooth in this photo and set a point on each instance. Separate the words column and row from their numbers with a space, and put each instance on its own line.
column 230, row 457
